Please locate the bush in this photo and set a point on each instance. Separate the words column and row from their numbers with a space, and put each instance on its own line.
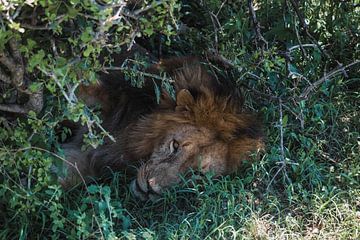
column 296, row 62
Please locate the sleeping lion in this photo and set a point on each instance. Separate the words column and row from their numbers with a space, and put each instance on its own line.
column 202, row 127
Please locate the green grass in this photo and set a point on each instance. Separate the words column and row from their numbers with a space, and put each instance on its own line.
column 305, row 185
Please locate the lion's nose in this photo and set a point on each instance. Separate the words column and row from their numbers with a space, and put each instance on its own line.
column 151, row 182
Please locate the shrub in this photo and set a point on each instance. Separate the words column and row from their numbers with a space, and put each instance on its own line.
column 296, row 62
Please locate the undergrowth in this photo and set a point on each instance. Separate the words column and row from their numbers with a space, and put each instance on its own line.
column 298, row 67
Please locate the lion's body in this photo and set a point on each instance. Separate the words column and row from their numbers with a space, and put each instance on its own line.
column 204, row 129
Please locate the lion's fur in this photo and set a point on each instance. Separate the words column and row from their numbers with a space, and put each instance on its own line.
column 207, row 113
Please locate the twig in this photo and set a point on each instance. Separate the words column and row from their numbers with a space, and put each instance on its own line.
column 215, row 56
column 273, row 178
column 282, row 152
column 59, row 19
column 136, row 71
column 148, row 7
column 256, row 24
column 53, row 46
column 299, row 116
column 54, row 77
column 71, row 99
column 221, row 6
column 303, row 52
column 305, row 94
column 47, row 151
column 132, row 39
column 261, row 94
column 32, row 27
column 282, row 156
column 215, row 21
column 302, row 46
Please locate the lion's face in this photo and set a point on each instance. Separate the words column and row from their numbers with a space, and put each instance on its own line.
column 183, row 148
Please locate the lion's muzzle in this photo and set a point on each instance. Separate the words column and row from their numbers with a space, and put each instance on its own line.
column 145, row 190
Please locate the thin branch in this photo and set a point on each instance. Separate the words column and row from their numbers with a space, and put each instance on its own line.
column 273, row 178
column 299, row 116
column 33, row 27
column 305, row 94
column 215, row 21
column 221, row 6
column 302, row 46
column 261, row 94
column 215, row 56
column 54, row 77
column 53, row 47
column 154, row 76
column 132, row 39
column 71, row 99
column 303, row 52
column 148, row 7
column 256, row 24
column 59, row 19
column 282, row 151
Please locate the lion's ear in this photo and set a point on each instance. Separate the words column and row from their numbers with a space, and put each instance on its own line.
column 184, row 99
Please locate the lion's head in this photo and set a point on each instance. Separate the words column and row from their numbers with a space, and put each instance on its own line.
column 202, row 130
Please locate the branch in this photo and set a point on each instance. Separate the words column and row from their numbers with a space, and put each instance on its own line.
column 282, row 152
column 305, row 94
column 16, row 69
column 303, row 52
column 256, row 24
column 301, row 46
column 71, row 99
column 214, row 55
column 148, row 7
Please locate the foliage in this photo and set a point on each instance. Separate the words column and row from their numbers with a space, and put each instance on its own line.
column 301, row 73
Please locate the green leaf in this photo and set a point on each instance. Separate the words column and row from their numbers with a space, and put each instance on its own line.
column 157, row 92
column 72, row 12
column 92, row 189
column 17, row 27
column 86, row 36
column 88, row 51
column 284, row 120
column 35, row 87
column 36, row 60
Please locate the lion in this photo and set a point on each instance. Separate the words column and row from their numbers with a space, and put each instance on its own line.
column 202, row 128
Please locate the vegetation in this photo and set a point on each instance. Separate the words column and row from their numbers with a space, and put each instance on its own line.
column 297, row 63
